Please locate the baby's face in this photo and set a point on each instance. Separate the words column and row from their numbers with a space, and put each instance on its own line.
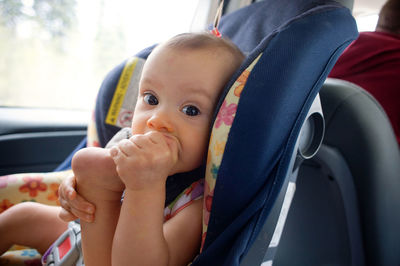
column 178, row 93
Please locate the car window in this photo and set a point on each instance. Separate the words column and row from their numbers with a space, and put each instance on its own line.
column 367, row 22
column 56, row 53
column 366, row 14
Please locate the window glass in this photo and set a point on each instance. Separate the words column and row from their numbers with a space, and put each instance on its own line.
column 366, row 14
column 367, row 22
column 56, row 53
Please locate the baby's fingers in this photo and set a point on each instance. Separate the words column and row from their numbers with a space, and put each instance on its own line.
column 127, row 147
column 66, row 190
column 69, row 213
column 77, row 204
column 66, row 216
column 82, row 205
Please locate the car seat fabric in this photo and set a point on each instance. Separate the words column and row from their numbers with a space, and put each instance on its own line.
column 289, row 66
column 247, row 28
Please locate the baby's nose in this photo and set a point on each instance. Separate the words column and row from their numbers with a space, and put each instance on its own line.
column 160, row 121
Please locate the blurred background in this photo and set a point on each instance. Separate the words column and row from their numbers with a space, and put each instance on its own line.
column 55, row 53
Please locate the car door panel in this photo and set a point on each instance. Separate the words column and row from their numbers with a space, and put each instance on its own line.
column 38, row 140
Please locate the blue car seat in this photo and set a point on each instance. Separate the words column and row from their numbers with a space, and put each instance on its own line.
column 267, row 121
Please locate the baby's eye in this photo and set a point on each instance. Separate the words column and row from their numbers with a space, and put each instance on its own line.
column 150, row 99
column 191, row 110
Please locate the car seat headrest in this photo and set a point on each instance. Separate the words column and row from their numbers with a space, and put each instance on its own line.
column 246, row 31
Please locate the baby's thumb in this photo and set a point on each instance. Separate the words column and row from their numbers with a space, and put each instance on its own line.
column 66, row 216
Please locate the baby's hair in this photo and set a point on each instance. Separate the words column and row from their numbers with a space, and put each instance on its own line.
column 205, row 40
column 389, row 17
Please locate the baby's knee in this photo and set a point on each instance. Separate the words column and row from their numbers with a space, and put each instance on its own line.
column 24, row 207
column 18, row 213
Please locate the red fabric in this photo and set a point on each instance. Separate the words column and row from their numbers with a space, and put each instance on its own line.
column 373, row 63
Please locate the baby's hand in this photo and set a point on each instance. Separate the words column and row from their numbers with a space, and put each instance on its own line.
column 145, row 160
column 73, row 205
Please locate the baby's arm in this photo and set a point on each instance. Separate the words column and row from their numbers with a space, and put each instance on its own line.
column 97, row 181
column 141, row 237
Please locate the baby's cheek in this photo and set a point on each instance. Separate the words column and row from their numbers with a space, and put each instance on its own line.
column 197, row 151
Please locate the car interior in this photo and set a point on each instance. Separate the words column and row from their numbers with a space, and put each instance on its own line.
column 325, row 193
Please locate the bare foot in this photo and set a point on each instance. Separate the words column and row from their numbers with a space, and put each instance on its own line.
column 95, row 174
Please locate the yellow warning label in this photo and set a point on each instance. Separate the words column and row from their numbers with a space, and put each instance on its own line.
column 120, row 91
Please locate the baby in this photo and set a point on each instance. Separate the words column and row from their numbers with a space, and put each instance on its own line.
column 179, row 88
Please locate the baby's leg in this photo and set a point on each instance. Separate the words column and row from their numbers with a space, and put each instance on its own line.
column 98, row 182
column 30, row 224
